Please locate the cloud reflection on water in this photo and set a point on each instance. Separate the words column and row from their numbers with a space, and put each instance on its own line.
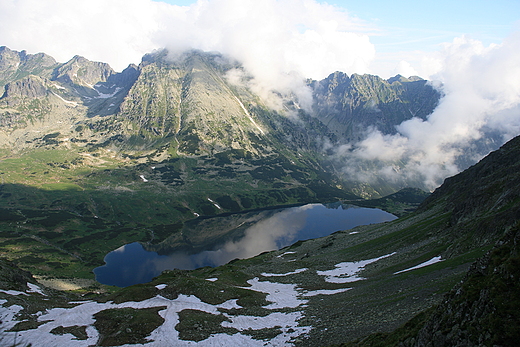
column 131, row 264
column 268, row 234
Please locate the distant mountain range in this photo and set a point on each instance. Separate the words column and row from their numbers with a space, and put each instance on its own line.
column 164, row 97
column 186, row 108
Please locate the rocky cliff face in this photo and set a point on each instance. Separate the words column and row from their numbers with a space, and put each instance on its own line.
column 189, row 101
column 485, row 308
column 350, row 105
column 15, row 65
column 31, row 87
column 82, row 72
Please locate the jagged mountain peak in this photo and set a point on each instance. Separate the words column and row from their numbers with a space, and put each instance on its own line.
column 349, row 105
column 189, row 60
column 15, row 65
column 83, row 72
column 188, row 97
column 402, row 79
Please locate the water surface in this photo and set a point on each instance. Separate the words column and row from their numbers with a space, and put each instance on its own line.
column 262, row 231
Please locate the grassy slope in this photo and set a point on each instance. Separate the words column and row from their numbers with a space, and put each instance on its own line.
column 63, row 210
column 483, row 308
column 453, row 223
column 460, row 222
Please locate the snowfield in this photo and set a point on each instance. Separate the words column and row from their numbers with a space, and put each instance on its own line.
column 285, row 274
column 286, row 301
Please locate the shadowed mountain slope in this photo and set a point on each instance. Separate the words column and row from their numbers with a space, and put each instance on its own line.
column 341, row 287
column 483, row 310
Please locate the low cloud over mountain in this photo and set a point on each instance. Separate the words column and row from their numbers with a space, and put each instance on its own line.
column 480, row 109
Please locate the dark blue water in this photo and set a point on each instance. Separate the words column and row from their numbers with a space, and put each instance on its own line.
column 132, row 264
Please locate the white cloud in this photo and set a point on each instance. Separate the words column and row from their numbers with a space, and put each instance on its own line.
column 482, row 96
column 276, row 40
column 405, row 69
column 279, row 42
column 115, row 31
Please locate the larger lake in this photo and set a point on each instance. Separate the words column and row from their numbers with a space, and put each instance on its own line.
column 261, row 231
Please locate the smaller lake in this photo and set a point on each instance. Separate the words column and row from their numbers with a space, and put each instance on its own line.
column 132, row 264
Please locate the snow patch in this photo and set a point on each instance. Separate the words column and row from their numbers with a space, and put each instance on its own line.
column 285, row 274
column 285, row 320
column 348, row 271
column 65, row 101
column 281, row 255
column 12, row 292
column 426, row 263
column 33, row 288
column 287, row 298
column 215, row 204
column 166, row 334
column 230, row 304
column 106, row 96
column 8, row 315
column 248, row 115
column 281, row 295
column 325, row 292
column 82, row 315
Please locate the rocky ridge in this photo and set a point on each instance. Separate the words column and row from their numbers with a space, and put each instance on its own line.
column 349, row 105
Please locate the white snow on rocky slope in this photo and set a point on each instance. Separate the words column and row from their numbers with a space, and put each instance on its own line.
column 286, row 301
column 426, row 263
column 347, row 272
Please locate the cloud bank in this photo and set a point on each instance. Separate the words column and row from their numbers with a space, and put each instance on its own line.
column 272, row 38
column 481, row 104
column 279, row 42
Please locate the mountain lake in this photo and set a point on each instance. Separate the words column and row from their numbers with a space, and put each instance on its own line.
column 251, row 233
